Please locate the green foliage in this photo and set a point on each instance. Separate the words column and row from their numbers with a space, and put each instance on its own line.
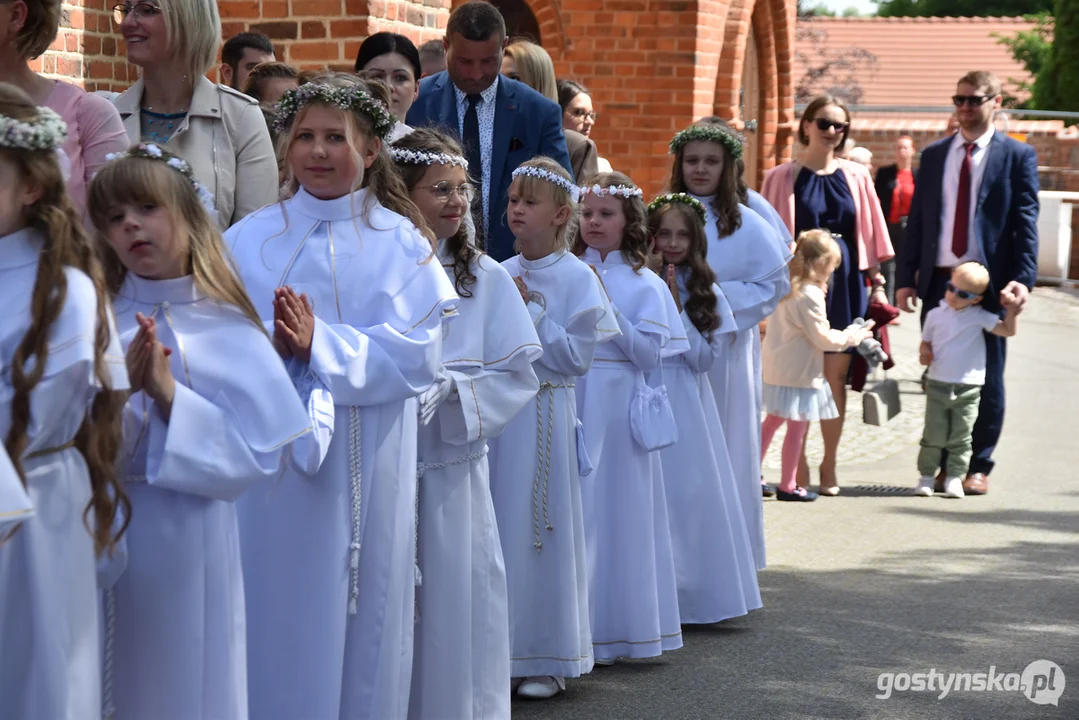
column 1031, row 49
column 962, row 8
column 808, row 9
column 852, row 12
column 1057, row 86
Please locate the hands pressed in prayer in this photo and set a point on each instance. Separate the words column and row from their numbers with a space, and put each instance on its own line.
column 672, row 285
column 294, row 324
column 434, row 396
column 148, row 365
column 521, row 288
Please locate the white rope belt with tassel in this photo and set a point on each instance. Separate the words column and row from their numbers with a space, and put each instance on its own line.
column 543, row 457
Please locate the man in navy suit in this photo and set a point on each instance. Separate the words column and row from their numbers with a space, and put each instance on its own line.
column 976, row 198
column 501, row 122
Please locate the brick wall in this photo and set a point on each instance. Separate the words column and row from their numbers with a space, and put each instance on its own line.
column 87, row 52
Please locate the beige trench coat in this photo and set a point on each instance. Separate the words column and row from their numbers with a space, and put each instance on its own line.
column 225, row 140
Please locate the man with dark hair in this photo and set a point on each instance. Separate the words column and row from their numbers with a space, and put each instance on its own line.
column 976, row 198
column 432, row 58
column 241, row 53
column 501, row 122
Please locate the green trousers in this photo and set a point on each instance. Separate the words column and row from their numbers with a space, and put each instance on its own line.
column 950, row 412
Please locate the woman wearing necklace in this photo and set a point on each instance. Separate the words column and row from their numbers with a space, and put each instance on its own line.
column 819, row 190
column 94, row 130
column 220, row 132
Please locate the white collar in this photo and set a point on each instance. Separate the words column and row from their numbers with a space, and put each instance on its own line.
column 20, row 248
column 178, row 291
column 614, row 257
column 360, row 205
column 488, row 95
column 543, row 262
column 981, row 142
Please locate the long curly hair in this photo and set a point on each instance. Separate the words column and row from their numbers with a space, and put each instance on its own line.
column 381, row 178
column 65, row 245
column 635, row 236
column 461, row 247
column 701, row 303
column 727, row 195
column 137, row 181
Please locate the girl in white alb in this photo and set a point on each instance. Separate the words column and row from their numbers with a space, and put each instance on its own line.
column 461, row 667
column 212, row 414
column 632, row 589
column 60, row 369
column 750, row 262
column 329, row 559
column 793, row 356
column 717, row 577
column 536, row 464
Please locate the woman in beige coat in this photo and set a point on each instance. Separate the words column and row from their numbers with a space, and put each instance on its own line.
column 218, row 131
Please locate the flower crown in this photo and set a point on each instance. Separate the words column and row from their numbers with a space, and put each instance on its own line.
column 553, row 178
column 734, row 142
column 47, row 132
column 421, row 157
column 679, row 198
column 351, row 99
column 626, row 191
column 149, row 151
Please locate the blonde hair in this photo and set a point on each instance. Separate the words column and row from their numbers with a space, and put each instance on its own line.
column 816, row 255
column 138, row 180
column 381, row 178
column 976, row 274
column 538, row 187
column 534, row 67
column 39, row 31
column 193, row 28
column 65, row 245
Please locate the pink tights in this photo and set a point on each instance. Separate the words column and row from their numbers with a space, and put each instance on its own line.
column 792, row 446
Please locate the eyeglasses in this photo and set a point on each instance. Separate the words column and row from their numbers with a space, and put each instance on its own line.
column 444, row 190
column 972, row 100
column 823, row 124
column 961, row 294
column 582, row 114
column 139, row 11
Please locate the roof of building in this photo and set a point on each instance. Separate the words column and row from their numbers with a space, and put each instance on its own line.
column 918, row 60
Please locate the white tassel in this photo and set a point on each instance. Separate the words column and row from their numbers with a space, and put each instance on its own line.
column 354, row 557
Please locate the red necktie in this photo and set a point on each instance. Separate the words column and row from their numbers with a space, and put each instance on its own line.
column 961, row 228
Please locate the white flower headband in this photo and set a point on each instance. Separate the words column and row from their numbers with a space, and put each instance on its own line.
column 421, row 157
column 48, row 132
column 533, row 171
column 350, row 99
column 626, row 191
column 150, row 151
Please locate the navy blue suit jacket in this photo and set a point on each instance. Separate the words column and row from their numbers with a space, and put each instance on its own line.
column 527, row 124
column 1005, row 219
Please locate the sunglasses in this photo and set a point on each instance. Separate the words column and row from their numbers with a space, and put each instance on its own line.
column 972, row 100
column 961, row 294
column 824, row 125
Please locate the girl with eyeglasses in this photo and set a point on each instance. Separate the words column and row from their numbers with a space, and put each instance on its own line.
column 819, row 190
column 94, row 127
column 461, row 665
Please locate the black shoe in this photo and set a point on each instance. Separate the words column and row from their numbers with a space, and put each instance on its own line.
column 800, row 495
column 767, row 490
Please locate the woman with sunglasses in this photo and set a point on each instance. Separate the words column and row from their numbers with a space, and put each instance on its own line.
column 94, row 130
column 219, row 131
column 819, row 190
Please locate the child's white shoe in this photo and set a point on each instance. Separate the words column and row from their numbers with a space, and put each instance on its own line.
column 925, row 486
column 541, row 688
column 953, row 487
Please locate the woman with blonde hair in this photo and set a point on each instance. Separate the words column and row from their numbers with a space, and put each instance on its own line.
column 219, row 131
column 94, row 130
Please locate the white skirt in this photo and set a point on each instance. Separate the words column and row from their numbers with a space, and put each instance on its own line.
column 800, row 404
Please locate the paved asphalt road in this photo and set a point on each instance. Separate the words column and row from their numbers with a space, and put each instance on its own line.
column 878, row 581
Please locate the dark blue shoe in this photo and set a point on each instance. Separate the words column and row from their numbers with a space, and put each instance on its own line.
column 767, row 490
column 799, row 495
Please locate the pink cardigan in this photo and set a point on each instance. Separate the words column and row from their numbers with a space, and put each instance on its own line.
column 874, row 245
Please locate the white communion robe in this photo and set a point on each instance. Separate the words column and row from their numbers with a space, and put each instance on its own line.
column 175, row 646
column 751, row 267
column 329, row 559
column 535, row 469
column 461, row 669
column 632, row 590
column 49, row 632
column 15, row 505
column 717, row 575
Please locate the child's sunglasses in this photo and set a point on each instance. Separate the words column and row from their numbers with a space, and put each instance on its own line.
column 961, row 294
